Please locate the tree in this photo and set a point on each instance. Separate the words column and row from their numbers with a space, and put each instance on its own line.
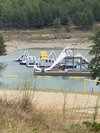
column 7, row 12
column 96, row 10
column 83, row 19
column 95, row 61
column 41, row 13
column 20, row 18
column 2, row 45
column 56, row 24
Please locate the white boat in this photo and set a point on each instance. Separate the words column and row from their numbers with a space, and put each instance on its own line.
column 30, row 61
column 46, row 60
column 23, row 56
column 23, row 61
column 26, row 59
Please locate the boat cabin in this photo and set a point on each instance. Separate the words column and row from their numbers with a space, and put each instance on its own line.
column 44, row 60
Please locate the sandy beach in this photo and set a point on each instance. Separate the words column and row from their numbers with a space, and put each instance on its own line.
column 13, row 46
column 52, row 99
column 46, row 38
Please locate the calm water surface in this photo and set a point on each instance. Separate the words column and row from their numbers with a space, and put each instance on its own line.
column 18, row 76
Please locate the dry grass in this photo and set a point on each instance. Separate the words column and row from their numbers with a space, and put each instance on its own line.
column 22, row 115
column 34, row 35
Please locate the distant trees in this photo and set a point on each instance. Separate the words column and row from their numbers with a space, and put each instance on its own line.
column 2, row 45
column 83, row 19
column 56, row 24
column 95, row 52
column 42, row 13
column 96, row 10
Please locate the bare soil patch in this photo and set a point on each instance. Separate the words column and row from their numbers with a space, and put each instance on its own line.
column 46, row 38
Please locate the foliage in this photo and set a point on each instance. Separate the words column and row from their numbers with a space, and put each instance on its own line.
column 56, row 23
column 92, row 126
column 95, row 52
column 83, row 19
column 96, row 10
column 2, row 45
column 41, row 13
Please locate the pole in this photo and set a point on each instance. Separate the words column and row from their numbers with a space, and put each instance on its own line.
column 80, row 63
column 73, row 59
column 84, row 86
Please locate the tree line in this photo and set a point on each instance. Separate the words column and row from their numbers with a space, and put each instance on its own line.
column 42, row 13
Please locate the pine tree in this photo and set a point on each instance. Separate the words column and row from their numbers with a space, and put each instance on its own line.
column 2, row 45
column 95, row 61
column 56, row 24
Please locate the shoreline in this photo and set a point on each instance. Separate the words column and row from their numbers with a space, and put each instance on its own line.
column 47, row 99
column 16, row 40
column 13, row 46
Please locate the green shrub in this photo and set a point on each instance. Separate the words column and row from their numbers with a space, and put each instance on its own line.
column 2, row 45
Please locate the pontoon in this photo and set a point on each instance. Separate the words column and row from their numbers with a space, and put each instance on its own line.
column 26, row 59
column 66, row 59
column 23, row 56
column 30, row 61
column 46, row 60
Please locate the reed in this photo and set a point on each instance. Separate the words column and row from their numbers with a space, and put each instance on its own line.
column 21, row 113
column 96, row 109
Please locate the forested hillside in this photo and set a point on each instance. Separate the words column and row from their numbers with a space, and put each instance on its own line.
column 43, row 13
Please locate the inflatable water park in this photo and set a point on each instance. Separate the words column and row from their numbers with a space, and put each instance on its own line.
column 65, row 64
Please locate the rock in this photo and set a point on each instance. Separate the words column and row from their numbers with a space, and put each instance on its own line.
column 68, row 37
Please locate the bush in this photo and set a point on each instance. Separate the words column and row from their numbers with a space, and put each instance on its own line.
column 2, row 45
column 56, row 23
column 83, row 19
column 92, row 126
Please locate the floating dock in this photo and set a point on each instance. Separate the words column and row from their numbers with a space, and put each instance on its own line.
column 64, row 73
column 68, row 59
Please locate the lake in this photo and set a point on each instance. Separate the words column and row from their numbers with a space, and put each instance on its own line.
column 18, row 76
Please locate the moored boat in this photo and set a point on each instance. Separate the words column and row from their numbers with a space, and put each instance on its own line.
column 66, row 60
column 23, row 56
column 45, row 60
column 30, row 61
